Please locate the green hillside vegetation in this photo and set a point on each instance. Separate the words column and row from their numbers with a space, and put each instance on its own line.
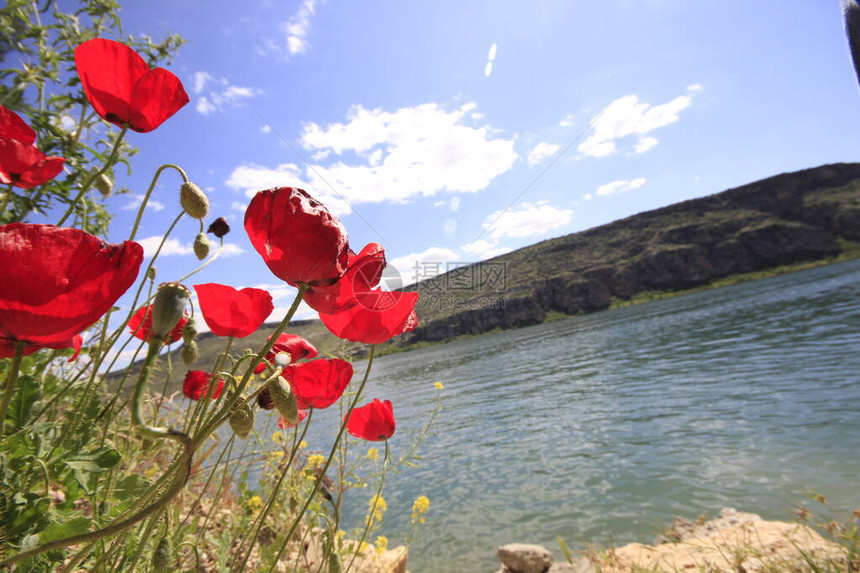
column 780, row 224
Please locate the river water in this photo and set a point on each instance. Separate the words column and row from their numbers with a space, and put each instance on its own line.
column 603, row 427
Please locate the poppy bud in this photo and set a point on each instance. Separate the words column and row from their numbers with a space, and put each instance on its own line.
column 283, row 359
column 242, row 421
column 284, row 399
column 201, row 246
column 193, row 200
column 168, row 308
column 219, row 227
column 334, row 563
column 189, row 353
column 150, row 273
column 264, row 400
column 162, row 556
column 189, row 331
column 103, row 184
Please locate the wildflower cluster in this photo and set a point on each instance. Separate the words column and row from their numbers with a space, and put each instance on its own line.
column 61, row 284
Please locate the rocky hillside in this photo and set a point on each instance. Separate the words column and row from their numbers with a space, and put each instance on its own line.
column 789, row 218
column 795, row 217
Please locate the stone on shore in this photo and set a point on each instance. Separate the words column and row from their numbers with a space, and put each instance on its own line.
column 524, row 558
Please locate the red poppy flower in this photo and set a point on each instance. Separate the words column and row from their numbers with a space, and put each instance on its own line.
column 297, row 347
column 285, row 425
column 361, row 276
column 140, row 325
column 123, row 90
column 231, row 312
column 197, row 385
column 378, row 316
column 299, row 240
column 57, row 282
column 373, row 422
column 24, row 166
column 13, row 127
column 319, row 383
column 21, row 162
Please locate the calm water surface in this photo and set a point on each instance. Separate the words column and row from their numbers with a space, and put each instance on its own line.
column 604, row 427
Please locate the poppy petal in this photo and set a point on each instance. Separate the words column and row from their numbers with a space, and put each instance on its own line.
column 58, row 281
column 320, row 383
column 361, row 276
column 299, row 239
column 197, row 384
column 23, row 165
column 123, row 90
column 373, row 421
column 156, row 96
column 13, row 127
column 140, row 325
column 379, row 316
column 297, row 347
column 231, row 312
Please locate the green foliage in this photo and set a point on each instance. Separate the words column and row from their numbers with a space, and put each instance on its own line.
column 41, row 85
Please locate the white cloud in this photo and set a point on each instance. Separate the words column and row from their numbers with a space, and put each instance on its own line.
column 644, row 144
column 137, row 199
column 527, row 220
column 627, row 116
column 587, row 197
column 428, row 263
column 454, row 205
column 450, row 227
column 567, row 121
column 424, row 150
column 488, row 69
column 265, row 129
column 620, row 186
column 297, row 28
column 695, row 87
column 483, row 249
column 491, row 55
column 199, row 80
column 541, row 151
column 176, row 247
column 220, row 96
column 250, row 178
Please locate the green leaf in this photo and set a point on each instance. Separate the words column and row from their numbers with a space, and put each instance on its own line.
column 130, row 487
column 102, row 458
column 68, row 528
column 22, row 403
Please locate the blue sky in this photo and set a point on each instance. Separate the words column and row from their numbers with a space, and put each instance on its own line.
column 420, row 124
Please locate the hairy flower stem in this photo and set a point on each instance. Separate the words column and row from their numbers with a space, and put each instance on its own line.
column 6, row 197
column 149, row 192
column 255, row 528
column 225, row 412
column 11, row 380
column 93, row 176
column 328, row 462
column 369, row 523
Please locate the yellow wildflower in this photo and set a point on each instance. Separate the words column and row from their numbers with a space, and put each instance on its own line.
column 439, row 385
column 419, row 508
column 381, row 544
column 255, row 503
column 278, row 437
column 372, row 454
column 315, row 461
column 276, row 455
column 303, row 444
column 376, row 508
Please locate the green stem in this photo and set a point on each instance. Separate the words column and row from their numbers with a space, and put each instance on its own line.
column 149, row 192
column 11, row 380
column 114, row 154
column 328, row 461
column 227, row 409
column 373, row 508
column 255, row 528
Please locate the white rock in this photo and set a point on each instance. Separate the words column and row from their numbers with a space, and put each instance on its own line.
column 525, row 558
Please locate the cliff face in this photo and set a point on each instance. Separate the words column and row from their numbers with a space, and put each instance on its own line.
column 785, row 219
